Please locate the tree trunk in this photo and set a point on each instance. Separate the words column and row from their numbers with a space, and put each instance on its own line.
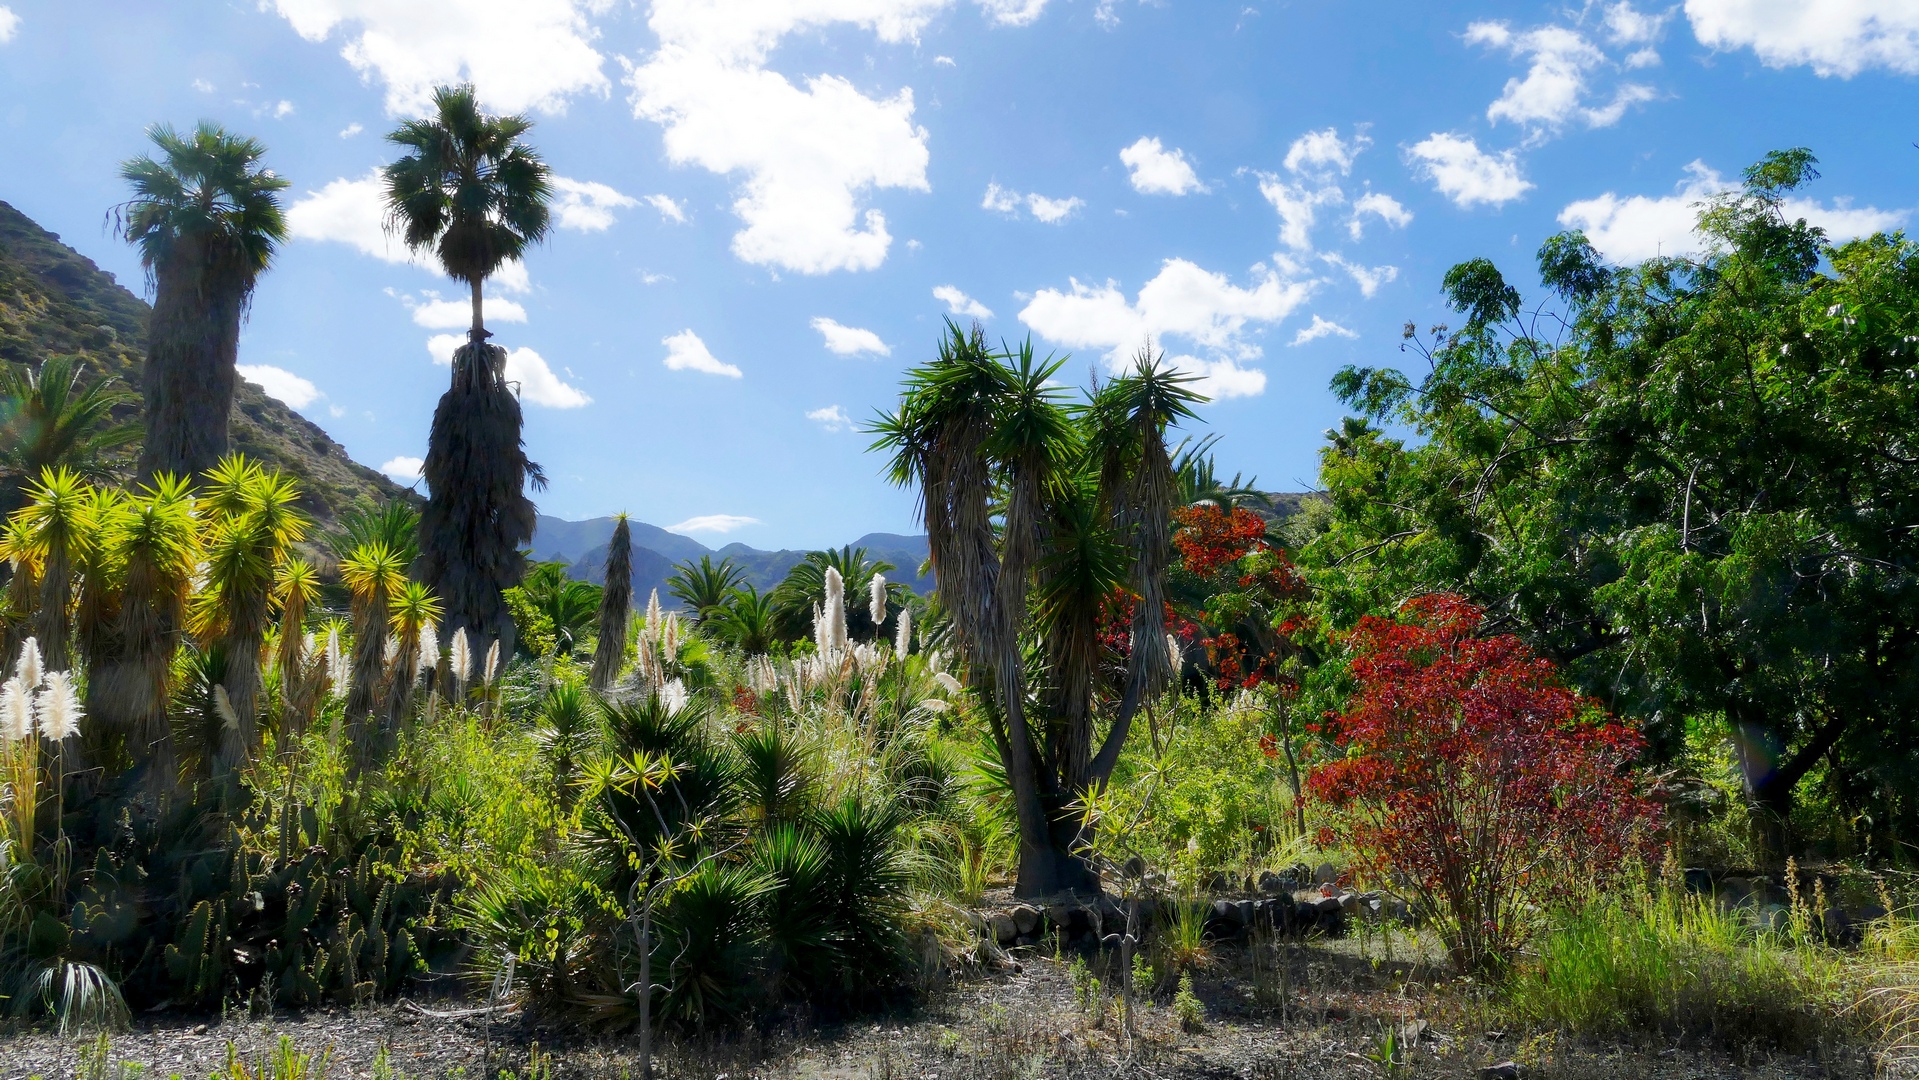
column 1771, row 776
column 189, row 379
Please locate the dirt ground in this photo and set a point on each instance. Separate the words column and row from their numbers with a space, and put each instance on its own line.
column 1324, row 1013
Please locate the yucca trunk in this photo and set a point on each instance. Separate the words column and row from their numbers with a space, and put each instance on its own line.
column 53, row 617
column 616, row 601
column 366, row 696
column 245, row 634
column 136, row 685
column 200, row 293
column 477, row 515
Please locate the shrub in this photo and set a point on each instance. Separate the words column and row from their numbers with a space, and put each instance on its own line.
column 1474, row 779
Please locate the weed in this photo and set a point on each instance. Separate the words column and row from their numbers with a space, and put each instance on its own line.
column 1186, row 1005
column 285, row 1062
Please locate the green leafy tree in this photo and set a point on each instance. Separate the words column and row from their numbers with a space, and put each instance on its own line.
column 473, row 194
column 1693, row 489
column 804, row 589
column 207, row 219
column 571, row 607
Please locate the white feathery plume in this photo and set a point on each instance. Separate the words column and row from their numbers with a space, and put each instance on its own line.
column 936, row 705
column 56, row 708
column 27, row 668
column 937, row 662
column 459, row 656
column 651, row 631
column 903, row 633
column 876, row 602
column 392, row 650
column 835, row 610
column 1173, row 654
column 673, row 696
column 492, row 663
column 429, row 649
column 951, row 684
column 670, row 636
column 224, row 706
column 821, row 635
column 16, row 710
column 336, row 673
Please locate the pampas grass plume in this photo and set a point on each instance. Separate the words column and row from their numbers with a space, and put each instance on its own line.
column 16, row 710
column 492, row 662
column 876, row 602
column 903, row 633
column 429, row 648
column 57, row 707
column 223, row 705
column 459, row 656
column 27, row 668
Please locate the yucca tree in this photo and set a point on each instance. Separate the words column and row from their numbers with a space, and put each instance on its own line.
column 157, row 547
column 474, row 195
column 373, row 575
column 704, row 586
column 616, row 605
column 1040, row 514
column 412, row 613
column 51, row 417
column 99, row 572
column 47, row 539
column 296, row 585
column 207, row 219
column 252, row 524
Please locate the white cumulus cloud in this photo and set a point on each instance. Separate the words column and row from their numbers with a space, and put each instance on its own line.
column 832, row 418
column 1321, row 328
column 351, row 130
column 537, row 381
column 1324, row 154
column 670, row 210
column 1182, row 301
column 958, row 303
column 1368, row 278
column 9, row 25
column 1464, row 173
column 999, row 200
column 586, row 205
column 1155, row 170
column 1053, row 211
column 686, row 352
column 849, row 340
column 437, row 313
column 404, row 469
column 1833, row 37
column 520, row 54
column 713, row 523
column 806, row 155
column 280, row 384
column 1634, row 228
column 1384, row 207
column 1298, row 206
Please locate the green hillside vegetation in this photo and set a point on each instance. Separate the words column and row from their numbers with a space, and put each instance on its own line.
column 55, row 301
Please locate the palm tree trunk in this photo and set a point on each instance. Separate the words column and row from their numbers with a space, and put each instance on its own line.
column 478, row 333
column 189, row 379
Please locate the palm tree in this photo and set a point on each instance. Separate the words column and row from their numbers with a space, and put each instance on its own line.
column 749, row 620
column 1038, row 516
column 253, row 525
column 616, row 603
column 48, row 418
column 476, row 196
column 1199, row 481
column 572, row 606
column 207, row 219
column 804, row 589
column 705, row 588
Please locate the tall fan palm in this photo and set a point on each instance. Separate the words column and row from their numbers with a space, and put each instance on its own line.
column 474, row 195
column 705, row 587
column 1039, row 515
column 207, row 218
column 616, row 603
column 48, row 418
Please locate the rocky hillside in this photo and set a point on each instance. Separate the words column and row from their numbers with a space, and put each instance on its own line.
column 53, row 301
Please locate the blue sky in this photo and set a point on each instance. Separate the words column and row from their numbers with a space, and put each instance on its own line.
column 768, row 205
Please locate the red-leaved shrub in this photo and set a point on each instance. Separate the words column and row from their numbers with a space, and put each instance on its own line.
column 1473, row 779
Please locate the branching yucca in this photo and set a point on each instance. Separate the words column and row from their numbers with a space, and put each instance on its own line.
column 51, row 534
column 373, row 575
column 157, row 546
column 413, row 611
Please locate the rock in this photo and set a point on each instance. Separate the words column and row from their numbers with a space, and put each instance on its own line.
column 1698, row 880
column 1326, row 874
column 1305, row 915
column 1505, row 1070
column 1246, row 912
column 1348, row 902
column 1005, row 931
column 1272, row 884
column 1328, row 905
column 1026, row 919
column 1133, row 868
column 1219, row 883
column 1224, row 920
column 1774, row 917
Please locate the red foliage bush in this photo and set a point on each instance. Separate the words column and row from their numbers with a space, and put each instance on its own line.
column 1475, row 780
column 1209, row 537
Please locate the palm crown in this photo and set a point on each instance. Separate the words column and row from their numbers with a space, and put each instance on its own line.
column 470, row 191
column 207, row 194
